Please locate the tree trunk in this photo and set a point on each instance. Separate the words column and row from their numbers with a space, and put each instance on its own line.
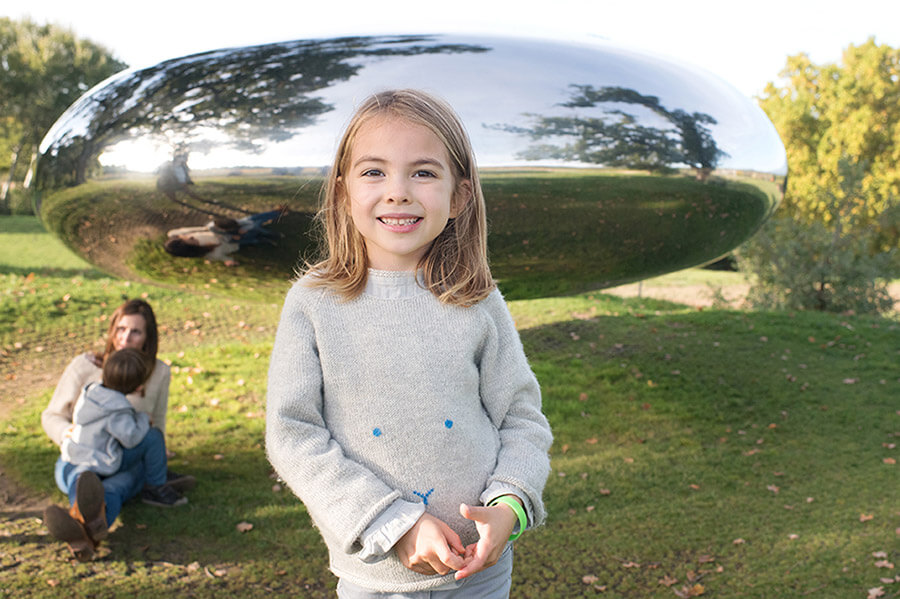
column 4, row 192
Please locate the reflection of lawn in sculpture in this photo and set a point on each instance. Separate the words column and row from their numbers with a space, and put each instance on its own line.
column 565, row 232
column 550, row 232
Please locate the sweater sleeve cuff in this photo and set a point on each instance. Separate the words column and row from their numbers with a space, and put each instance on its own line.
column 384, row 532
column 496, row 489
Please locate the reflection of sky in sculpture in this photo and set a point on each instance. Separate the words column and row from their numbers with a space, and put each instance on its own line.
column 535, row 78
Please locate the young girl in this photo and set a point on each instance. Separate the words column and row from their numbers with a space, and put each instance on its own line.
column 401, row 408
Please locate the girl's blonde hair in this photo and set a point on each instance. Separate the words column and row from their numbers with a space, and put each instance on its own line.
column 455, row 267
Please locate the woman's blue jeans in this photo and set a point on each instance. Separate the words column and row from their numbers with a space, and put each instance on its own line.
column 143, row 464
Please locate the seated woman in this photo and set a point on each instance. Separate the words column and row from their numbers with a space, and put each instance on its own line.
column 133, row 325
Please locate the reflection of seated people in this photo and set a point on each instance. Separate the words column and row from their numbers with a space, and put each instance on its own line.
column 220, row 238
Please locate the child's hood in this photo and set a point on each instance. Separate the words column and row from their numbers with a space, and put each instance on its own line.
column 97, row 402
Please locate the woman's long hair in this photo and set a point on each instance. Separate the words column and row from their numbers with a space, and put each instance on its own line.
column 455, row 267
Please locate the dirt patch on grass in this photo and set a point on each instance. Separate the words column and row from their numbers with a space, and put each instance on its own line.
column 705, row 296
column 698, row 296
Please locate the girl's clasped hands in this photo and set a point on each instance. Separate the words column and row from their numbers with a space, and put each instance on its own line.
column 431, row 547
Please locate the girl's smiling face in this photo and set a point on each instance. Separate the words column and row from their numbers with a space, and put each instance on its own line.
column 400, row 185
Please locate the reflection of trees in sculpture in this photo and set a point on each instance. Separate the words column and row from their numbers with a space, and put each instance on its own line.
column 620, row 139
column 253, row 94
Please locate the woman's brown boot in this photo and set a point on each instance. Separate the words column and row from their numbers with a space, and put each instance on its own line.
column 90, row 507
column 64, row 527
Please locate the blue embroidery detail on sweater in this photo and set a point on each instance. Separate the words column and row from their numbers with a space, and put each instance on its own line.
column 376, row 431
column 448, row 423
column 424, row 496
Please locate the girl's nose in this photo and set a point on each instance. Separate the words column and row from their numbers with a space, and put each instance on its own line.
column 398, row 193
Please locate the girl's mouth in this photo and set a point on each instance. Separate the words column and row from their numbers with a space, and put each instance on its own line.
column 399, row 222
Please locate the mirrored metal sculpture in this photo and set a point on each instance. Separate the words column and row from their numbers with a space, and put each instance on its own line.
column 600, row 166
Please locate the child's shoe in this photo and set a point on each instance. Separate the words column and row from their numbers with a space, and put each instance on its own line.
column 90, row 507
column 182, row 483
column 66, row 528
column 162, row 496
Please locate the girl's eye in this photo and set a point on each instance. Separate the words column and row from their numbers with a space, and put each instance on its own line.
column 423, row 174
column 372, row 172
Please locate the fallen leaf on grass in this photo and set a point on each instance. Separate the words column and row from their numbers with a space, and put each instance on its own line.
column 244, row 527
column 773, row 488
column 865, row 517
column 738, row 541
column 884, row 564
column 667, row 581
column 589, row 579
column 876, row 592
column 890, row 461
column 217, row 573
column 694, row 591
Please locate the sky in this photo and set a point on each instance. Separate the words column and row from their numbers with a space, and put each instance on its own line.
column 746, row 44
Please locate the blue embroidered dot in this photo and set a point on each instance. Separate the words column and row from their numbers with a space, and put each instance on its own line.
column 376, row 432
column 448, row 423
column 424, row 496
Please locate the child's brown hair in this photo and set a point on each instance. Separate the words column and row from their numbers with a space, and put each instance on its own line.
column 126, row 369
column 455, row 267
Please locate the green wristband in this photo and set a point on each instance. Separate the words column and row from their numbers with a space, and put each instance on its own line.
column 519, row 511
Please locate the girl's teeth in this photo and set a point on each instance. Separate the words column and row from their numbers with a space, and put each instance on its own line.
column 398, row 222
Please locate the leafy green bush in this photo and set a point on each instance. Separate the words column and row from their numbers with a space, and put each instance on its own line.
column 834, row 263
column 798, row 266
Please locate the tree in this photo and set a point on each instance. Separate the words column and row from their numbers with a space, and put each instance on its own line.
column 833, row 243
column 831, row 114
column 43, row 69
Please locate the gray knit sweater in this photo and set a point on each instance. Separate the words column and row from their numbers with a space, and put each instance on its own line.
column 395, row 402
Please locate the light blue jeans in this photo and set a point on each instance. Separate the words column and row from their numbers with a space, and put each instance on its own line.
column 493, row 583
column 143, row 464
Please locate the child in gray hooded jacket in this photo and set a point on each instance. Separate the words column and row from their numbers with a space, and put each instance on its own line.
column 109, row 434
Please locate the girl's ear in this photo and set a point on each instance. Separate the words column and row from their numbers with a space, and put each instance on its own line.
column 462, row 197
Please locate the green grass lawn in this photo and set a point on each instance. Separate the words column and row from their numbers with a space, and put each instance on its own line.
column 697, row 453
